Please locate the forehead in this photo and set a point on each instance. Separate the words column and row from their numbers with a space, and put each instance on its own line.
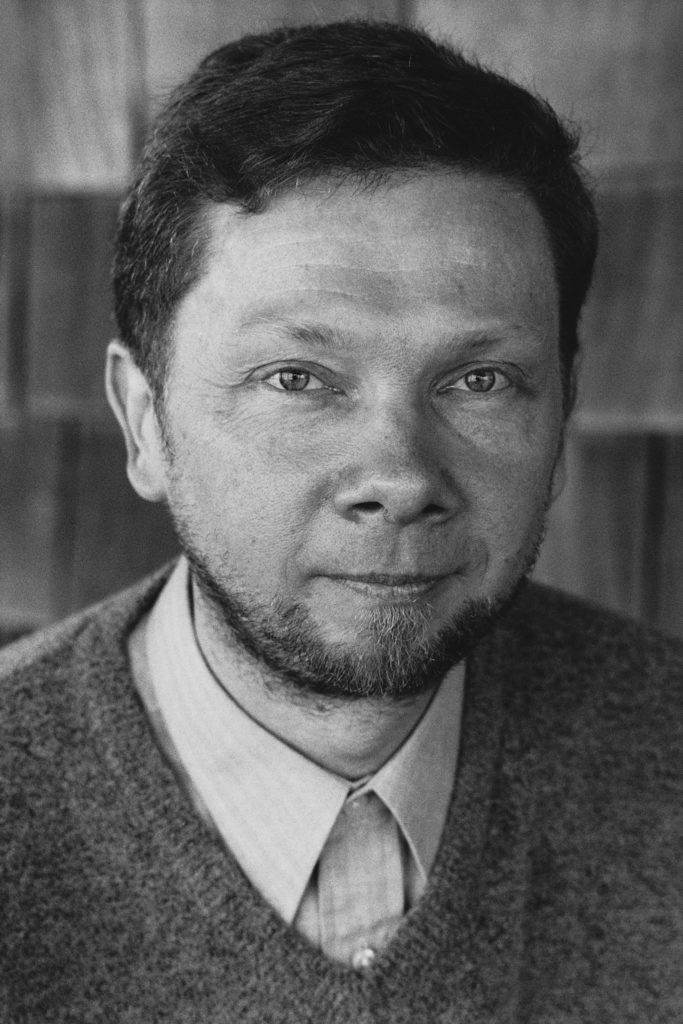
column 423, row 246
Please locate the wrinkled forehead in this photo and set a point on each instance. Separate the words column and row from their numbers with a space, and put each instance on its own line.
column 424, row 243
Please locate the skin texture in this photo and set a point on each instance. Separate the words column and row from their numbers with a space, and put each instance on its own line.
column 362, row 382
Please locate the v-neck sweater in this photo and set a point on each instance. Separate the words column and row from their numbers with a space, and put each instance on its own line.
column 551, row 899
column 277, row 810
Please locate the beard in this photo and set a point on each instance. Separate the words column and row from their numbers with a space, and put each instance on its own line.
column 396, row 655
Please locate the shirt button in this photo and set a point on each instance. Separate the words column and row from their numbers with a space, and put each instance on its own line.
column 363, row 958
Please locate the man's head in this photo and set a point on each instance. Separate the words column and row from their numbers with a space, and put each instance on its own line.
column 348, row 282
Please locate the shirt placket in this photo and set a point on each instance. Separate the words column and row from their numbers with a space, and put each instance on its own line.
column 360, row 882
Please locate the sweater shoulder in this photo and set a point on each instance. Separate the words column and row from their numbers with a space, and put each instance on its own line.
column 596, row 695
column 41, row 674
column 572, row 631
column 585, row 684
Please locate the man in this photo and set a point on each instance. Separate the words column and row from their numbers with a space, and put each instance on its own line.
column 340, row 763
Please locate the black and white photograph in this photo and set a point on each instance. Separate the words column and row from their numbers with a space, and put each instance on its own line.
column 341, row 491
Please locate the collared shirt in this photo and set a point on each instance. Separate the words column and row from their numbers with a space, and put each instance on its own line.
column 284, row 817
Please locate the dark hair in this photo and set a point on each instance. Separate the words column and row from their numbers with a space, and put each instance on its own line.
column 350, row 98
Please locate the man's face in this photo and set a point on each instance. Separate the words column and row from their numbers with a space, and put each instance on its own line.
column 364, row 411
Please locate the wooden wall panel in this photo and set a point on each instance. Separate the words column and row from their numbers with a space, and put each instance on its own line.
column 15, row 105
column 80, row 77
column 15, row 262
column 612, row 66
column 5, row 286
column 669, row 550
column 29, row 475
column 298, row 12
column 594, row 544
column 72, row 530
column 15, row 117
column 69, row 311
column 614, row 534
column 632, row 373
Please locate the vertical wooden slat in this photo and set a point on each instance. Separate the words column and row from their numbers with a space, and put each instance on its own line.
column 17, row 260
column 670, row 571
column 593, row 547
column 15, row 97
column 29, row 466
column 652, row 537
column 299, row 12
column 632, row 354
column 70, row 317
column 14, row 273
column 67, row 513
column 5, row 359
column 14, row 170
column 79, row 76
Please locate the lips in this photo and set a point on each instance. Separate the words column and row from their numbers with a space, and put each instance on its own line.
column 396, row 586
column 383, row 579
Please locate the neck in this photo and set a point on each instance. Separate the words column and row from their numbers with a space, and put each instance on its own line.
column 351, row 738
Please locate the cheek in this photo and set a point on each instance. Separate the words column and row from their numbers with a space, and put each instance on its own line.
column 247, row 496
column 510, row 484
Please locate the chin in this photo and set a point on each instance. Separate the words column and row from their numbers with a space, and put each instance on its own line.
column 389, row 652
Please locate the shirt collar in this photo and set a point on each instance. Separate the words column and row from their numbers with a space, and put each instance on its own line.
column 274, row 807
column 417, row 781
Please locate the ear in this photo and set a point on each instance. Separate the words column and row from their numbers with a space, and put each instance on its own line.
column 130, row 398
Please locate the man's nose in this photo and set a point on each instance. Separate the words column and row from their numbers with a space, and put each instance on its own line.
column 400, row 473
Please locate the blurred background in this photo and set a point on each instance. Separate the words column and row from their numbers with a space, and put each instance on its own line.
column 79, row 80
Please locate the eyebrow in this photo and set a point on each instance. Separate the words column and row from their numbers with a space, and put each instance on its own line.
column 322, row 336
column 308, row 333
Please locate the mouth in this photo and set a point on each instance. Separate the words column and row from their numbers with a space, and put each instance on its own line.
column 397, row 586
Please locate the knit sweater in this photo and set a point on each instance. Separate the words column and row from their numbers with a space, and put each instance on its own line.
column 552, row 898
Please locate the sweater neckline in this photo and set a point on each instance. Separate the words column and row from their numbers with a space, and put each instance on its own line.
column 155, row 805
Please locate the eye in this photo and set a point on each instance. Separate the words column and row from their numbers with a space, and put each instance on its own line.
column 292, row 378
column 481, row 380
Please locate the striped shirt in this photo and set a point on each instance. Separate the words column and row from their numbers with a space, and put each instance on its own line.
column 341, row 862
